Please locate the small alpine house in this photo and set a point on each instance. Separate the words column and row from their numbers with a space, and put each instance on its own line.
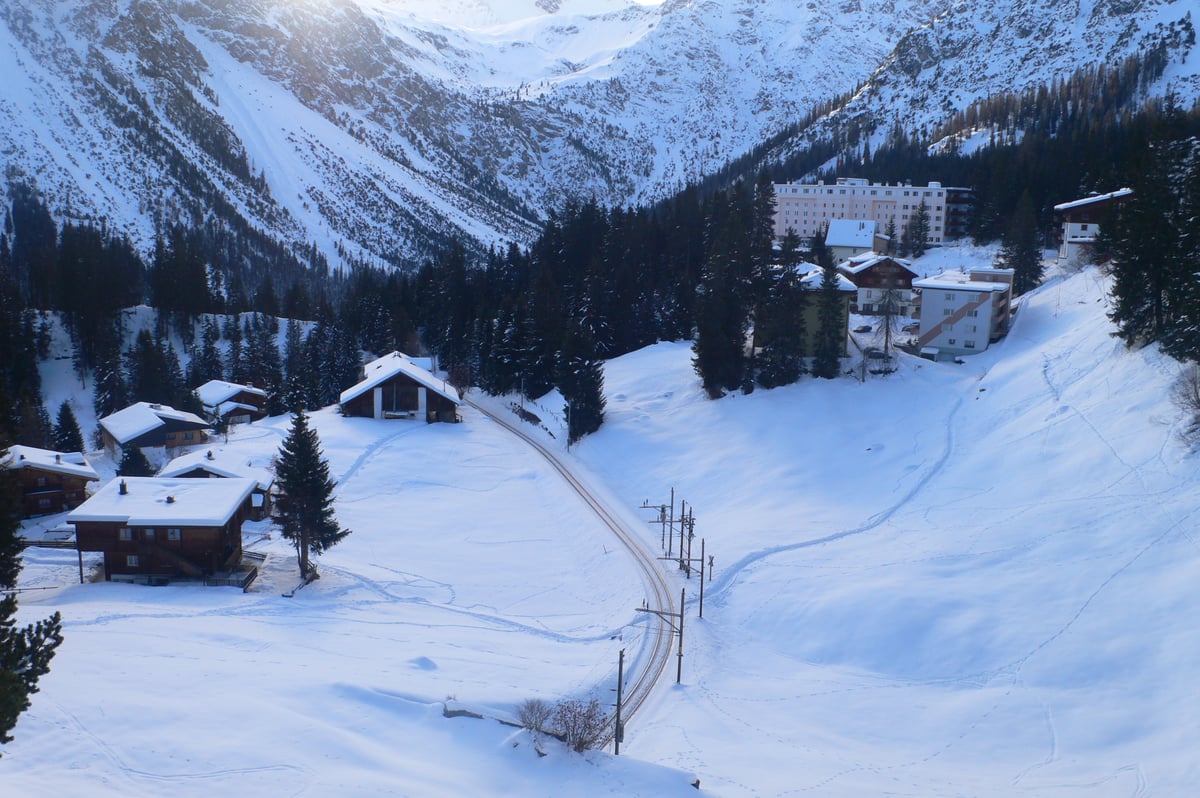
column 157, row 529
column 395, row 387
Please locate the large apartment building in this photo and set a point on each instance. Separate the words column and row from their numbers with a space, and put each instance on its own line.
column 808, row 208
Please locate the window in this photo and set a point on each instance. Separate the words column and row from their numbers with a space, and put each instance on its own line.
column 968, row 344
column 950, row 295
column 131, row 560
column 951, row 341
column 187, row 436
column 41, row 482
column 973, row 313
column 1083, row 227
column 43, row 503
column 149, row 533
column 174, row 533
column 948, row 311
column 125, row 533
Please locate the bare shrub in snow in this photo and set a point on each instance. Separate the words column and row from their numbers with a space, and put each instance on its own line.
column 580, row 724
column 533, row 714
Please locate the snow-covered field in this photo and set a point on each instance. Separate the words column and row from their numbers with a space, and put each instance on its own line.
column 953, row 580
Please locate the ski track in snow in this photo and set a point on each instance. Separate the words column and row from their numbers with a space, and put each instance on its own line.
column 730, row 574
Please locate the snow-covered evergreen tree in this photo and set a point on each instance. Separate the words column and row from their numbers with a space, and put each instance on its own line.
column 304, row 509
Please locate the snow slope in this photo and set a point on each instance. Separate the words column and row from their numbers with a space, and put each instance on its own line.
column 954, row 580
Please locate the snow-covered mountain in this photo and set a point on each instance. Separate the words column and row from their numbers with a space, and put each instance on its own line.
column 379, row 128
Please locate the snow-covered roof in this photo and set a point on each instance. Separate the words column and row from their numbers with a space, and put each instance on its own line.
column 860, row 263
column 965, row 281
column 812, row 281
column 214, row 392
column 150, row 501
column 850, row 233
column 72, row 464
column 221, row 463
column 138, row 419
column 383, row 369
column 424, row 362
column 1079, row 203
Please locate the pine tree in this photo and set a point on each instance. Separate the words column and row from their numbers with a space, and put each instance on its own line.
column 304, row 509
column 67, row 437
column 25, row 651
column 917, row 230
column 134, row 463
column 581, row 382
column 831, row 326
column 1020, row 251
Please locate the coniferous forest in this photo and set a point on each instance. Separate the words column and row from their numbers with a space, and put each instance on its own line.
column 597, row 282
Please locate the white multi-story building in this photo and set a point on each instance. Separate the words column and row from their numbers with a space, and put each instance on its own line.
column 962, row 312
column 807, row 208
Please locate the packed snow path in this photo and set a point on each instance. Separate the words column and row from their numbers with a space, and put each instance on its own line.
column 648, row 665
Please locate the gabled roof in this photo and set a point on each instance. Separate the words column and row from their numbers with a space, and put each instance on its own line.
column 214, row 392
column 1079, row 203
column 220, row 463
column 860, row 263
column 385, row 368
column 150, row 501
column 850, row 233
column 72, row 464
column 812, row 281
column 138, row 419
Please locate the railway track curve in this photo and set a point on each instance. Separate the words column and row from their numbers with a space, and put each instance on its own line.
column 656, row 650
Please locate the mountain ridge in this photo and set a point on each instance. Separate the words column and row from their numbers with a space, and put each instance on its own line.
column 368, row 132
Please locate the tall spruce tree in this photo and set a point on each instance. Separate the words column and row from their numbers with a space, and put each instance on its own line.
column 831, row 326
column 581, row 381
column 67, row 437
column 25, row 651
column 304, row 509
column 918, row 230
column 1020, row 251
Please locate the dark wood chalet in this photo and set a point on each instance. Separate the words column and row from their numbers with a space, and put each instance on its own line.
column 236, row 404
column 216, row 463
column 49, row 481
column 881, row 280
column 155, row 530
column 395, row 387
column 145, row 424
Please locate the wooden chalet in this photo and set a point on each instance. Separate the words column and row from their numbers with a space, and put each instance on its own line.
column 234, row 403
column 395, row 387
column 220, row 464
column 49, row 481
column 145, row 425
column 155, row 530
column 880, row 279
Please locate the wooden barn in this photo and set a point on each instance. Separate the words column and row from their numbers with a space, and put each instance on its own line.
column 219, row 464
column 145, row 424
column 395, row 387
column 154, row 530
column 49, row 481
column 236, row 404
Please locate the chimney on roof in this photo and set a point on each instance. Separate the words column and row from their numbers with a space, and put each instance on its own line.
column 170, row 499
column 124, row 488
column 209, row 456
column 58, row 458
column 22, row 457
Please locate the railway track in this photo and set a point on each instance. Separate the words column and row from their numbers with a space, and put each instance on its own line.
column 656, row 651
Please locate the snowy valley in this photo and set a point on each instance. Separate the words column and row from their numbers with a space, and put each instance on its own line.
column 953, row 579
